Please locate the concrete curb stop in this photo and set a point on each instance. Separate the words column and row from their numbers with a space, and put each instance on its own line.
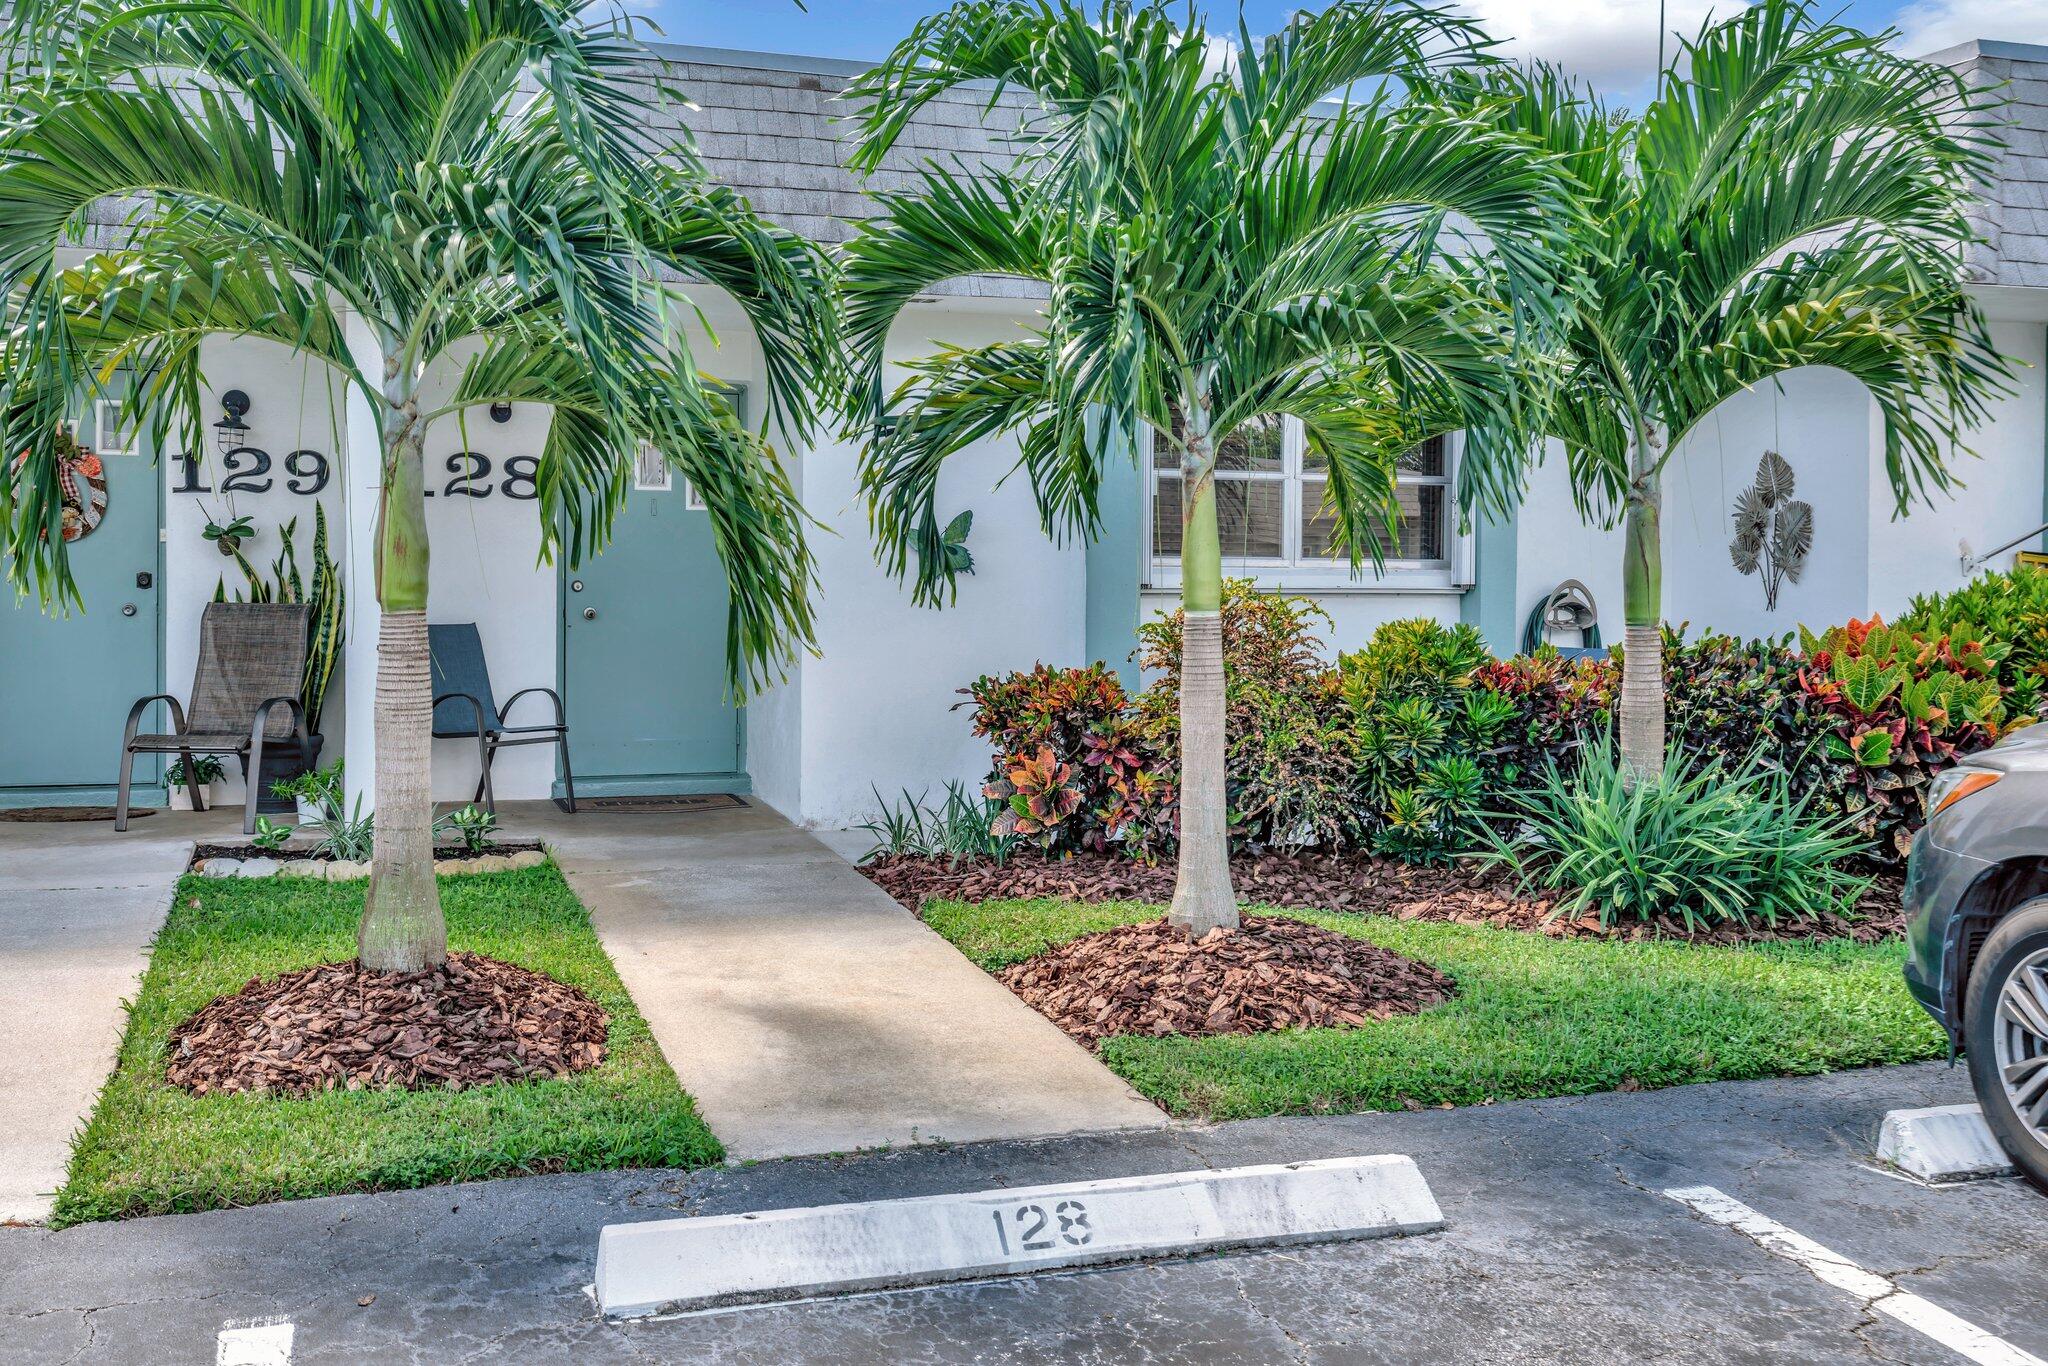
column 1942, row 1143
column 675, row 1266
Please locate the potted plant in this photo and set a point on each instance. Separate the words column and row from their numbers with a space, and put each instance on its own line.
column 206, row 773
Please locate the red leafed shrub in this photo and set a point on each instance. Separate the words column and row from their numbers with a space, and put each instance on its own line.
column 1061, row 733
column 1559, row 704
column 1899, row 707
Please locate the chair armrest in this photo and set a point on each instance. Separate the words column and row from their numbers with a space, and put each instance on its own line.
column 135, row 717
column 561, row 717
column 298, row 709
column 474, row 706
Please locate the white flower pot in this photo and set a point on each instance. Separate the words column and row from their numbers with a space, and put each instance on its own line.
column 307, row 812
column 181, row 796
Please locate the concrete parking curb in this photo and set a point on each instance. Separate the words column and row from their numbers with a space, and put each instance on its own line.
column 675, row 1266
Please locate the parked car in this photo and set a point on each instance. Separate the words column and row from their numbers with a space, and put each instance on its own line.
column 1977, row 932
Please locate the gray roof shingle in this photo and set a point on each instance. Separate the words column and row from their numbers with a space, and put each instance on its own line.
column 2011, row 212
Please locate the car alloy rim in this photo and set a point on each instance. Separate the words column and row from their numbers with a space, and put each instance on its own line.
column 2019, row 1042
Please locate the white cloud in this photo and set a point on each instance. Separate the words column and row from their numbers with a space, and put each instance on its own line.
column 1931, row 25
column 1611, row 43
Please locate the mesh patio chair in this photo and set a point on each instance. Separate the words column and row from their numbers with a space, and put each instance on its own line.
column 245, row 695
column 464, row 706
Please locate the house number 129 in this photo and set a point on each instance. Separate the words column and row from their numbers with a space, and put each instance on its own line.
column 1038, row 1231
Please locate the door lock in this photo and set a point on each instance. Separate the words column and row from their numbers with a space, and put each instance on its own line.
column 575, row 585
column 145, row 579
column 127, row 609
column 590, row 614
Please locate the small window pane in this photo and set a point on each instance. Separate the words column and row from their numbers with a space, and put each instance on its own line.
column 1166, row 517
column 1422, row 521
column 1426, row 459
column 1255, row 445
column 1420, row 535
column 1165, row 455
column 1250, row 517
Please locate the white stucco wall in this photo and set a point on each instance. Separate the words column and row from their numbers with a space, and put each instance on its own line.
column 2000, row 499
column 295, row 404
column 877, row 704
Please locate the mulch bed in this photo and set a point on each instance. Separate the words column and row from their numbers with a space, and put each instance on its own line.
column 1360, row 883
column 1273, row 973
column 303, row 848
column 470, row 1022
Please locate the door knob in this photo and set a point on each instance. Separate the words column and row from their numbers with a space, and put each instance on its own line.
column 589, row 613
column 127, row 609
column 145, row 579
column 575, row 585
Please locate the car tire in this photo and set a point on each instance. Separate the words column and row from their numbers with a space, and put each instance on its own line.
column 1995, row 1043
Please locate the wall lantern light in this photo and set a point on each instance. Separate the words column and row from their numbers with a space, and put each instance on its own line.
column 231, row 431
column 501, row 412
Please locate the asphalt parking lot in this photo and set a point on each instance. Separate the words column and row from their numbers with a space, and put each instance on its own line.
column 1562, row 1245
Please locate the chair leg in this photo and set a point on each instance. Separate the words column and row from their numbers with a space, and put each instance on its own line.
column 568, row 778
column 191, row 786
column 252, row 781
column 121, row 798
column 484, row 791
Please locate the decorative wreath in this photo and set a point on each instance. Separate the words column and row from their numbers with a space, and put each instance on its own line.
column 81, row 486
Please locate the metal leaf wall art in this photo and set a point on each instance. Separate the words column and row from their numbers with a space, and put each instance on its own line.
column 1773, row 530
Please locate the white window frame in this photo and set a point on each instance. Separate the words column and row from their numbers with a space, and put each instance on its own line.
column 1293, row 572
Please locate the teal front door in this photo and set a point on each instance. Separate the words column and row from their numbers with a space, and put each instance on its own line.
column 643, row 655
column 67, row 681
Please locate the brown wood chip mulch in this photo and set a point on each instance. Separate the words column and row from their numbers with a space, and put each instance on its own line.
column 470, row 1022
column 1272, row 973
column 1345, row 882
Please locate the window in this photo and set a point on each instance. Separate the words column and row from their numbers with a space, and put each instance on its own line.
column 653, row 474
column 1269, row 504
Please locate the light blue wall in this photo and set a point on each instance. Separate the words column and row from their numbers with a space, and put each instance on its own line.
column 1113, row 559
column 1491, row 601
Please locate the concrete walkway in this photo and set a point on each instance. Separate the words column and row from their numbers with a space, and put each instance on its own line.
column 804, row 1009
column 79, row 905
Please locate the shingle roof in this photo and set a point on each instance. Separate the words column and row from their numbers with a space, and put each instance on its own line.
column 2011, row 212
column 775, row 129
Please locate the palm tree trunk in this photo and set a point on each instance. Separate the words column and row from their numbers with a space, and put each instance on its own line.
column 1642, row 591
column 1202, row 895
column 402, row 929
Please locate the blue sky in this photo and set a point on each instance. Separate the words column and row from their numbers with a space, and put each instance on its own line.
column 1610, row 42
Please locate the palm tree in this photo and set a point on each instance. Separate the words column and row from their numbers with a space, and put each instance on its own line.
column 1797, row 197
column 1220, row 247
column 375, row 183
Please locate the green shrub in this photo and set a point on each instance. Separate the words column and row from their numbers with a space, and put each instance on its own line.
column 1708, row 843
column 1288, row 777
column 2009, row 613
column 959, row 828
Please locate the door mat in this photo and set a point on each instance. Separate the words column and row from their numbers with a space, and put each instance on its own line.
column 66, row 814
column 41, row 814
column 706, row 801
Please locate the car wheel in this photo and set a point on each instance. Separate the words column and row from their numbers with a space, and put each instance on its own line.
column 2005, row 1034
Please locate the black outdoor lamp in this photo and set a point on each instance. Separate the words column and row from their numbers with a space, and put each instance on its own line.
column 231, row 431
column 501, row 412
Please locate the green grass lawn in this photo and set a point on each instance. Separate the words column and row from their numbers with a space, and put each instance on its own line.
column 151, row 1148
column 1533, row 1016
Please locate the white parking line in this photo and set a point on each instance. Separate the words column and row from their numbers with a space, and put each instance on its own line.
column 1879, row 1293
column 254, row 1342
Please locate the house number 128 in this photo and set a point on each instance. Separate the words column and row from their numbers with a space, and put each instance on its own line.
column 1038, row 1231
